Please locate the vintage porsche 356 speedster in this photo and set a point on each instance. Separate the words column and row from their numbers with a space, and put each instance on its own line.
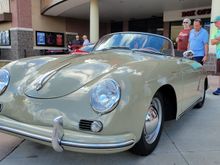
column 115, row 99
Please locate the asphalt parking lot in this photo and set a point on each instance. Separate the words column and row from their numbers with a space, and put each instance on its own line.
column 192, row 140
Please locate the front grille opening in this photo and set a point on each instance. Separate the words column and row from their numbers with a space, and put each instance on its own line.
column 85, row 125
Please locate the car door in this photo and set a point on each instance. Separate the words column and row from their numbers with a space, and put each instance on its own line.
column 171, row 68
column 191, row 76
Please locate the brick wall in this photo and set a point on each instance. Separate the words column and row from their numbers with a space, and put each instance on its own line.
column 21, row 13
column 210, row 65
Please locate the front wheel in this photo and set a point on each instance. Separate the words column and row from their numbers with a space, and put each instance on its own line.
column 152, row 127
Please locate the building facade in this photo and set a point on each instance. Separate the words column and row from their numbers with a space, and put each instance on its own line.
column 30, row 27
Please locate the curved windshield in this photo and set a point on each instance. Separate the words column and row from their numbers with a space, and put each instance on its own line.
column 143, row 42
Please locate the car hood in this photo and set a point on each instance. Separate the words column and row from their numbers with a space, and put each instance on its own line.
column 66, row 75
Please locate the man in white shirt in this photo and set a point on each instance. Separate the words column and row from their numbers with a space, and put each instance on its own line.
column 85, row 40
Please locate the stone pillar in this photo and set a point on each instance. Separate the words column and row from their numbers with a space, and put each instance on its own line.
column 21, row 43
column 21, row 32
column 211, row 64
column 94, row 21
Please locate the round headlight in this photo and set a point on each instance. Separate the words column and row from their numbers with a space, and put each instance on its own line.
column 4, row 80
column 105, row 96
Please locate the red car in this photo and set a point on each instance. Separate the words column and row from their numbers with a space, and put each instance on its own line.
column 84, row 50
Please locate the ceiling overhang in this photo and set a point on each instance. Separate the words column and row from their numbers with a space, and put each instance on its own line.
column 57, row 7
column 120, row 9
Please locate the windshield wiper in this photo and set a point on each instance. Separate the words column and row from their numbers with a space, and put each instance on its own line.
column 148, row 51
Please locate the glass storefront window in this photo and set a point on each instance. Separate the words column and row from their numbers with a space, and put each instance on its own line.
column 175, row 28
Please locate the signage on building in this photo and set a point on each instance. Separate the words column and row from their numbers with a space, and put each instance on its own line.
column 5, row 38
column 49, row 39
column 199, row 12
column 177, row 15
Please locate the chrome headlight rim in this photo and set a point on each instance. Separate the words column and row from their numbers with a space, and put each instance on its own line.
column 4, row 85
column 110, row 109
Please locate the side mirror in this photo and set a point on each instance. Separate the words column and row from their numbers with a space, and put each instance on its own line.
column 188, row 54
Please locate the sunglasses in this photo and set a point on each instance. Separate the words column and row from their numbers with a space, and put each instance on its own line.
column 185, row 22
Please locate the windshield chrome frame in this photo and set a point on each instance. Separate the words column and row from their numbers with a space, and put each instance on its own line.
column 142, row 33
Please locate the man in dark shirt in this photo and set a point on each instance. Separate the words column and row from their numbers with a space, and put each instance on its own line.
column 76, row 44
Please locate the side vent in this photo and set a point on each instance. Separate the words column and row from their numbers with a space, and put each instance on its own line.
column 85, row 125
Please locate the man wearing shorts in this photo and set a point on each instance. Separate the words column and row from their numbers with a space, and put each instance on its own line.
column 215, row 40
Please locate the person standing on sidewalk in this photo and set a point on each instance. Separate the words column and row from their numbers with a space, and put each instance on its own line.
column 183, row 37
column 215, row 40
column 198, row 42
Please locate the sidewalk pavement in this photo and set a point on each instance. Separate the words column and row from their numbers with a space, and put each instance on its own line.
column 213, row 82
column 191, row 140
column 8, row 144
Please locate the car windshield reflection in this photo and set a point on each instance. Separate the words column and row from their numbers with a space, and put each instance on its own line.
column 144, row 42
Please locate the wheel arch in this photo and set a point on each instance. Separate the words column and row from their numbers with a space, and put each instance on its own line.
column 206, row 83
column 170, row 101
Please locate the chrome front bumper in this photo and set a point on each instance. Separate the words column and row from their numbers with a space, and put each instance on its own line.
column 58, row 143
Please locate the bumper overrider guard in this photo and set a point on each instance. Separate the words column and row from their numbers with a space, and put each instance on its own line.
column 58, row 144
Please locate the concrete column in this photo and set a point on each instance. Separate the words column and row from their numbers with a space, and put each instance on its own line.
column 94, row 21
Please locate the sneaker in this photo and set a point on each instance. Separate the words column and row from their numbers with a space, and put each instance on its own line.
column 217, row 92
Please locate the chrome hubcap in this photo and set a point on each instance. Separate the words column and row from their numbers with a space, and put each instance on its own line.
column 153, row 121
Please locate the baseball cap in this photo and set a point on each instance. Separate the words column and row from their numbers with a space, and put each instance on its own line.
column 217, row 18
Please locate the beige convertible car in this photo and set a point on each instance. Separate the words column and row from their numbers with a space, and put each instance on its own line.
column 114, row 99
